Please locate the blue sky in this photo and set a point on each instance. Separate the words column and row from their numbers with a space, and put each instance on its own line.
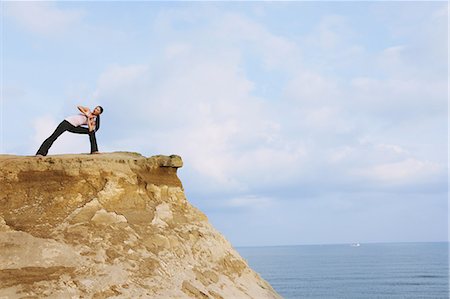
column 298, row 122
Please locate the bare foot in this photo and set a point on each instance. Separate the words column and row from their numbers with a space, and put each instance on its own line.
column 39, row 155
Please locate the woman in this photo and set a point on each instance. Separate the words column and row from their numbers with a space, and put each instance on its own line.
column 74, row 124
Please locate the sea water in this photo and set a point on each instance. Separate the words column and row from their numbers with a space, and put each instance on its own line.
column 383, row 270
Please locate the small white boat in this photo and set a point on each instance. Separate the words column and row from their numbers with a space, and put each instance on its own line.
column 355, row 245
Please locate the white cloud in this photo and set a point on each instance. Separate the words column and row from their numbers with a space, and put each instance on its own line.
column 398, row 98
column 340, row 154
column 392, row 148
column 331, row 32
column 391, row 57
column 332, row 46
column 249, row 201
column 11, row 93
column 422, row 28
column 213, row 30
column 311, row 89
column 405, row 171
column 177, row 49
column 118, row 78
column 42, row 17
column 275, row 49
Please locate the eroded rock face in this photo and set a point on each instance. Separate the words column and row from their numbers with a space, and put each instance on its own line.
column 111, row 225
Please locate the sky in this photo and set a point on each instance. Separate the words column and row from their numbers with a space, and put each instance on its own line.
column 298, row 122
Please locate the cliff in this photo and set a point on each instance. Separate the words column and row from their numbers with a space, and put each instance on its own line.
column 114, row 225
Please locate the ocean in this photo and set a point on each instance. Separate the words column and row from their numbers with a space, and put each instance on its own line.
column 381, row 270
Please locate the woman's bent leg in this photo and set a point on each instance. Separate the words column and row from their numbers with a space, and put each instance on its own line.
column 43, row 150
column 92, row 138
column 78, row 130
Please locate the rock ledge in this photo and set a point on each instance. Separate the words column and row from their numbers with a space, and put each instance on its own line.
column 113, row 225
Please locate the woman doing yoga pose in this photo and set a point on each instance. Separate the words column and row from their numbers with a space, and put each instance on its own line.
column 74, row 124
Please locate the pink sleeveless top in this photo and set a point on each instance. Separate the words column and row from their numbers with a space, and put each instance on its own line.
column 77, row 120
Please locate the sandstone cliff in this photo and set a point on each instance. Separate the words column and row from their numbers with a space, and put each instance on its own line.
column 113, row 225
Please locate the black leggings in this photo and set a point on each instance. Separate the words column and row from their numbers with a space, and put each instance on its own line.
column 67, row 126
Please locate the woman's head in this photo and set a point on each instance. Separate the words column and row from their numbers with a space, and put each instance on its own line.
column 97, row 110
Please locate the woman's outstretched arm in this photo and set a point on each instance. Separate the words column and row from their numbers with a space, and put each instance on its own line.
column 84, row 110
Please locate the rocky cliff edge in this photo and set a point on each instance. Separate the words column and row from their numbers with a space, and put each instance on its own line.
column 114, row 225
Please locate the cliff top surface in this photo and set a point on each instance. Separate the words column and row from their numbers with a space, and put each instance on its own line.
column 161, row 160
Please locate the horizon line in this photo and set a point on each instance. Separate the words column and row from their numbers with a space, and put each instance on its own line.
column 344, row 243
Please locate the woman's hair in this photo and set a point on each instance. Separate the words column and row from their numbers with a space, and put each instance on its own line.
column 97, row 121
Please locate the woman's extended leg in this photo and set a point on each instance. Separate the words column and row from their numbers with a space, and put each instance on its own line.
column 92, row 139
column 62, row 127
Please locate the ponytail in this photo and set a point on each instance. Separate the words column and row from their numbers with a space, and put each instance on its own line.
column 97, row 123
